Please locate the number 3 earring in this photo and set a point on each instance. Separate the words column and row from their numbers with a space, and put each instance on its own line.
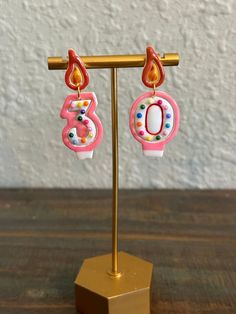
column 154, row 116
column 84, row 130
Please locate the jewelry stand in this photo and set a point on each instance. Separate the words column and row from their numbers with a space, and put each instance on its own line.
column 117, row 283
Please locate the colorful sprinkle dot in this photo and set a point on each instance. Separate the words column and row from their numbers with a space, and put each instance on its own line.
column 139, row 115
column 165, row 107
column 90, row 129
column 148, row 138
column 80, row 104
column 75, row 142
column 164, row 133
column 71, row 134
column 83, row 140
column 86, row 121
column 86, row 103
column 90, row 134
column 158, row 137
column 82, row 111
column 139, row 124
column 168, row 116
column 141, row 132
column 159, row 102
column 80, row 118
column 142, row 106
column 167, row 125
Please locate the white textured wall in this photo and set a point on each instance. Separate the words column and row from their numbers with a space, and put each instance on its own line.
column 203, row 32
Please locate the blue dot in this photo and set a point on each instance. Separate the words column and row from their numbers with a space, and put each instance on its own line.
column 75, row 142
column 139, row 115
column 167, row 125
column 82, row 111
column 168, row 116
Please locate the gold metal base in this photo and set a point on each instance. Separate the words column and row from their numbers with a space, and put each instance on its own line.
column 97, row 292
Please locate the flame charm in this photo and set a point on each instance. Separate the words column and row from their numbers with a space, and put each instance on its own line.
column 76, row 74
column 153, row 72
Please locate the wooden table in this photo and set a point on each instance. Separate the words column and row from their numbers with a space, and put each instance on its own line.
column 190, row 236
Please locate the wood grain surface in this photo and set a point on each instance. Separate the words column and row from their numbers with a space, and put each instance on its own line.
column 190, row 236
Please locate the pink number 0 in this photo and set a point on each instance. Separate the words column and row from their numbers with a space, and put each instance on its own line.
column 84, row 130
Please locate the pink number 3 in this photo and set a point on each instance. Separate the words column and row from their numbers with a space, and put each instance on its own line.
column 84, row 130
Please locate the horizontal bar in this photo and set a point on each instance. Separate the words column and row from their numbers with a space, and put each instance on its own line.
column 112, row 61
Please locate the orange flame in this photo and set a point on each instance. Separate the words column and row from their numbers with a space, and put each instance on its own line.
column 154, row 74
column 76, row 77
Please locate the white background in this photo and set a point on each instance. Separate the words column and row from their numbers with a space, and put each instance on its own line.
column 203, row 155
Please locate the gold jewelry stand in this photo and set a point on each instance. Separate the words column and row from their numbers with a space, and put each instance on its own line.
column 116, row 283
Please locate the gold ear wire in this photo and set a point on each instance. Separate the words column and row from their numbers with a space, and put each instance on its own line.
column 79, row 92
column 154, row 89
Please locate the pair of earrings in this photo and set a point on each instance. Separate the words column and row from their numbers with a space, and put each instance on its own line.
column 154, row 115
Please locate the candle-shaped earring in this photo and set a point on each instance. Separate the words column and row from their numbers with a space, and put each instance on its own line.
column 154, row 116
column 84, row 130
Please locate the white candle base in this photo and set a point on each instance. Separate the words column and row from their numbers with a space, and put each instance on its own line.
column 84, row 155
column 153, row 153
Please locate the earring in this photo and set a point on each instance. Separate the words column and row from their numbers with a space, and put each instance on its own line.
column 154, row 116
column 84, row 130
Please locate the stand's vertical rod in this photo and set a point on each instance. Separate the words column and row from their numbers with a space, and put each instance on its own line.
column 115, row 171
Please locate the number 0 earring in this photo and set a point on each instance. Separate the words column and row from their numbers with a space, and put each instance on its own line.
column 154, row 116
column 84, row 130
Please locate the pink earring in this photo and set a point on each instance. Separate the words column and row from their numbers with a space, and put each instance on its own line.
column 154, row 116
column 84, row 130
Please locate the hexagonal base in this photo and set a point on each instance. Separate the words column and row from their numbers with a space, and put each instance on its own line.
column 99, row 293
